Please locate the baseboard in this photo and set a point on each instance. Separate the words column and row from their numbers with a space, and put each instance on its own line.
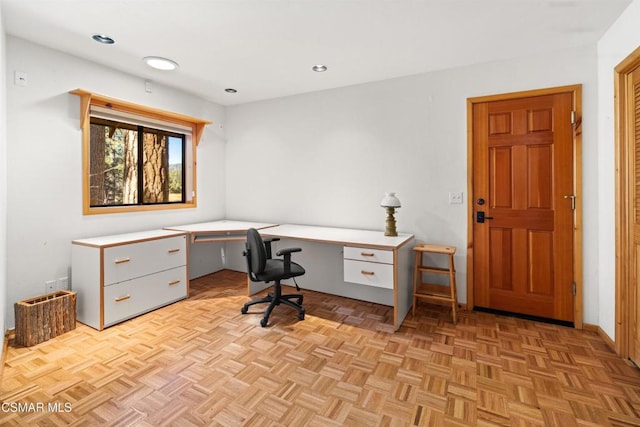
column 9, row 334
column 602, row 334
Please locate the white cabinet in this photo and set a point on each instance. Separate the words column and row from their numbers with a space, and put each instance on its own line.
column 372, row 267
column 123, row 276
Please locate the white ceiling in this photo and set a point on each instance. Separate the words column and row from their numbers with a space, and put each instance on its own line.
column 266, row 48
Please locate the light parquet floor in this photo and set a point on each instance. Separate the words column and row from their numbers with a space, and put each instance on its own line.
column 200, row 362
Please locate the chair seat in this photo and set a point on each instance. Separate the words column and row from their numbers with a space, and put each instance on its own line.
column 274, row 269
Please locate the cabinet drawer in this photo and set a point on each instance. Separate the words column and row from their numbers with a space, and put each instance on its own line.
column 126, row 262
column 133, row 297
column 371, row 255
column 368, row 273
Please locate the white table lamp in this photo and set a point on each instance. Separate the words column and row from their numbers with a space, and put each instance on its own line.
column 390, row 202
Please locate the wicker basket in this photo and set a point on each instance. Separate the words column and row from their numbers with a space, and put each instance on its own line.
column 41, row 318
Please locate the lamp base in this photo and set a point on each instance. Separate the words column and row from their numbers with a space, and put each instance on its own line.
column 390, row 229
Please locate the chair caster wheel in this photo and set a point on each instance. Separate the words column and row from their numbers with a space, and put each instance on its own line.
column 263, row 323
column 243, row 310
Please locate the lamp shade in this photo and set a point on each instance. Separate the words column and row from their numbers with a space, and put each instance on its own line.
column 390, row 201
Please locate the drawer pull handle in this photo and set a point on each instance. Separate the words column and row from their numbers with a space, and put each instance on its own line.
column 367, row 253
column 173, row 251
column 123, row 298
column 174, row 282
column 122, row 261
column 368, row 273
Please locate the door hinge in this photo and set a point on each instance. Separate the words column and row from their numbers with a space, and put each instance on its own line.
column 573, row 288
column 573, row 201
column 573, row 117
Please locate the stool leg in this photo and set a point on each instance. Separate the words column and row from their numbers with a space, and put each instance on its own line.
column 416, row 275
column 454, row 294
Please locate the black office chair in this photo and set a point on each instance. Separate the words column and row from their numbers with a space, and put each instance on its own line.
column 262, row 268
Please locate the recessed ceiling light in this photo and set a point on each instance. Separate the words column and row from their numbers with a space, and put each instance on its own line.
column 319, row 68
column 101, row 38
column 230, row 90
column 159, row 63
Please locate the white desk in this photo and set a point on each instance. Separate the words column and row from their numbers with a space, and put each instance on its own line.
column 359, row 264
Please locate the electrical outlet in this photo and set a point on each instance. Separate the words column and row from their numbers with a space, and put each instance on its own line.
column 63, row 284
column 49, row 286
column 455, row 198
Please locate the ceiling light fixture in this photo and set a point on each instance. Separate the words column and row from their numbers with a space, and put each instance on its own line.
column 159, row 63
column 104, row 39
column 319, row 68
column 230, row 90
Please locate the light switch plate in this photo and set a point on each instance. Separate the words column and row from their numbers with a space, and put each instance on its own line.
column 455, row 198
column 20, row 78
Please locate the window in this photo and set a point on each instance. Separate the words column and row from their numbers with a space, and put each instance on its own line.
column 134, row 165
column 136, row 158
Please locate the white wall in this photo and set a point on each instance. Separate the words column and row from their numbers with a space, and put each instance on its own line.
column 321, row 158
column 44, row 145
column 3, row 189
column 328, row 157
column 622, row 38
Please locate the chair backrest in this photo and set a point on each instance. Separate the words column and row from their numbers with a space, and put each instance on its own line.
column 256, row 254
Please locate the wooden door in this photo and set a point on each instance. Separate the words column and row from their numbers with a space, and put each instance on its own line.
column 633, row 123
column 523, row 180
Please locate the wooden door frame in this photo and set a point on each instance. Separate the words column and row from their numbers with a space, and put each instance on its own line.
column 624, row 209
column 576, row 94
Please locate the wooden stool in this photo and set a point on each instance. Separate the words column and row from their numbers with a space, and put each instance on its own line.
column 434, row 292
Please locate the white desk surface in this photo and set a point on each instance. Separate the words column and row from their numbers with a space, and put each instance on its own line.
column 345, row 236
column 119, row 239
column 222, row 227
